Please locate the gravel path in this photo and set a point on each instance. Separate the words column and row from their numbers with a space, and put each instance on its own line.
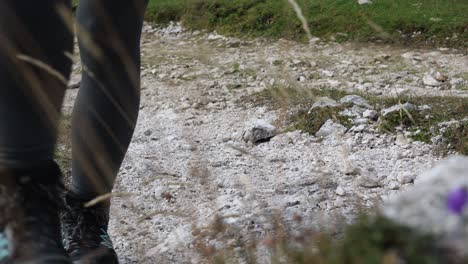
column 188, row 163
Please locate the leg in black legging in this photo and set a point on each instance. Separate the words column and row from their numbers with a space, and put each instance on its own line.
column 33, row 73
column 107, row 106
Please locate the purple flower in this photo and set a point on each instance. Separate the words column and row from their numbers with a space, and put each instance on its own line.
column 457, row 200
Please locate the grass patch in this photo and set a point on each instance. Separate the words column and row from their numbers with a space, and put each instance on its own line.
column 312, row 121
column 408, row 21
column 424, row 124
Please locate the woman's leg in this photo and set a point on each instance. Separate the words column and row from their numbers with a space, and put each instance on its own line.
column 107, row 106
column 33, row 74
column 103, row 119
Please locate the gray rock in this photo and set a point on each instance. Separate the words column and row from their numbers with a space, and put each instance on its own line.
column 340, row 191
column 148, row 132
column 233, row 43
column 327, row 73
column 368, row 182
column 424, row 206
column 260, row 132
column 424, row 108
column 364, row 2
column 361, row 121
column 350, row 169
column 355, row 111
column 214, row 36
column 393, row 185
column 358, row 129
column 406, row 178
column 370, row 113
column 324, row 102
column 397, row 108
column 434, row 78
column 331, row 128
column 356, row 100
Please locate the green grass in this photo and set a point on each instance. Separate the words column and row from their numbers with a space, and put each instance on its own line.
column 436, row 20
column 425, row 122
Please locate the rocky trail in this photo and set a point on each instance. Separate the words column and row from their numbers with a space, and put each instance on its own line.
column 192, row 157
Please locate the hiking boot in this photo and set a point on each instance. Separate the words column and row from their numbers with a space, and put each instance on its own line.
column 84, row 232
column 30, row 202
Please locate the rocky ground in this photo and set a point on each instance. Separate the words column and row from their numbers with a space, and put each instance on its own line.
column 193, row 158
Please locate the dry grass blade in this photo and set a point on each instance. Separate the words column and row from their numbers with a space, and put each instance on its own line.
column 301, row 17
column 105, row 197
column 43, row 66
column 378, row 28
column 407, row 112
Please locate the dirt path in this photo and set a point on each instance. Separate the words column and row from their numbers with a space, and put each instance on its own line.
column 188, row 163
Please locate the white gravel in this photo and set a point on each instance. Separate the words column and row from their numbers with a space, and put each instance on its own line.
column 188, row 142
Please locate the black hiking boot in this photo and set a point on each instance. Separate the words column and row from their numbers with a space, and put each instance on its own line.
column 30, row 202
column 84, row 232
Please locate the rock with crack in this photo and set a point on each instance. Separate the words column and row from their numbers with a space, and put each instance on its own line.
column 397, row 108
column 260, row 132
column 331, row 128
column 428, row 205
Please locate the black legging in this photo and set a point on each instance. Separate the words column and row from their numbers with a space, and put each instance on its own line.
column 34, row 41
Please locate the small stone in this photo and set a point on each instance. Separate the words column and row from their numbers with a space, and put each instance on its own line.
column 358, row 129
column 261, row 131
column 355, row 111
column 331, row 128
column 406, row 178
column 324, row 102
column 328, row 73
column 301, row 78
column 74, row 82
column 370, row 113
column 399, row 155
column 434, row 78
column 424, row 108
column 361, row 121
column 355, row 100
column 401, row 140
column 290, row 204
column 397, row 108
column 340, row 191
column 148, row 133
column 367, row 182
column 352, row 170
column 393, row 185
column 364, row 2
column 233, row 43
